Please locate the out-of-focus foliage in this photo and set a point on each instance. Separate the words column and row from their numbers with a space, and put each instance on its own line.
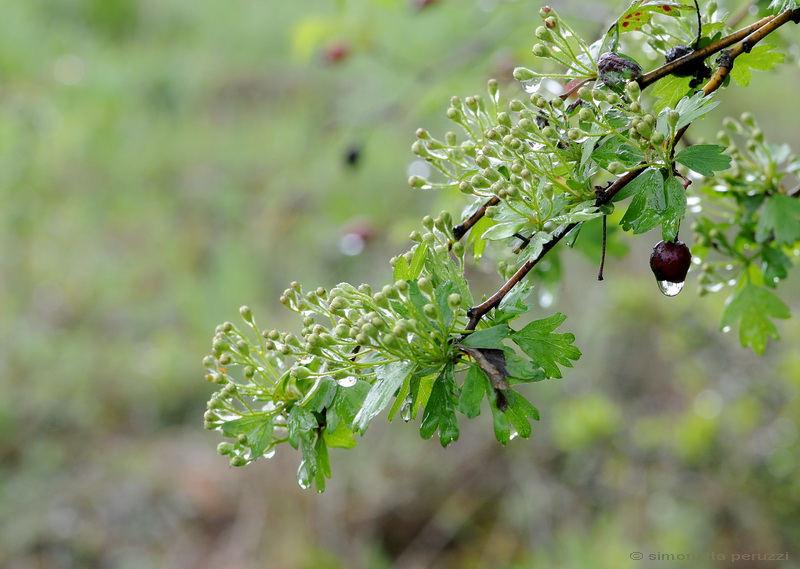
column 163, row 162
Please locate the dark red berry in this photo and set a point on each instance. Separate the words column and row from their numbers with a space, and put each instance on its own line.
column 670, row 261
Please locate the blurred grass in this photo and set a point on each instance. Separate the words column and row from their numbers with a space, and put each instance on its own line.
column 163, row 163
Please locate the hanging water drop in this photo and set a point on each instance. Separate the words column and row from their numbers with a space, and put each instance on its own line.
column 669, row 288
column 347, row 382
column 405, row 409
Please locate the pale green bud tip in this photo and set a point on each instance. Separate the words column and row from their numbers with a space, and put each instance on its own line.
column 575, row 133
column 425, row 285
column 493, row 87
column 430, row 310
column 523, row 74
column 422, row 134
column 458, row 248
column 657, row 139
column 225, row 448
column 238, row 461
column 673, row 117
column 616, row 167
column 542, row 32
column 454, row 301
column 748, row 120
column 417, row 182
column 633, row 90
column 246, row 313
column 540, row 50
column 427, row 222
column 453, row 113
column 301, row 372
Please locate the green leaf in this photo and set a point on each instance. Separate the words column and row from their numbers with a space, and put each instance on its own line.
column 760, row 58
column 402, row 272
column 617, row 150
column 260, row 439
column 478, row 243
column 641, row 12
column 522, row 370
column 518, row 412
column 347, row 403
column 390, row 377
column 244, row 425
column 512, row 305
column 420, row 388
column 649, row 202
column 545, row 348
column 776, row 265
column 299, row 423
column 418, row 260
column 676, row 208
column 502, row 430
column 778, row 6
column 341, row 437
column 753, row 306
column 476, row 385
column 440, row 411
column 323, row 469
column 504, row 230
column 668, row 91
column 440, row 295
column 692, row 108
column 488, row 337
column 780, row 220
column 704, row 159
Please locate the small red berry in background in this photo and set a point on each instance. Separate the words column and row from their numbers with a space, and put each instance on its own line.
column 335, row 52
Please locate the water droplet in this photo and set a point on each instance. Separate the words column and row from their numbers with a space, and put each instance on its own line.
column 514, row 434
column 670, row 288
column 405, row 409
column 347, row 382
column 544, row 86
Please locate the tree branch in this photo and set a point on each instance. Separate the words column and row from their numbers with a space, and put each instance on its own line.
column 748, row 36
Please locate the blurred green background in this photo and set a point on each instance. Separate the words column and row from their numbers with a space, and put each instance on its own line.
column 163, row 163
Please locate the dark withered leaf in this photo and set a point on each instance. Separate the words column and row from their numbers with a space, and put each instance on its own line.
column 493, row 362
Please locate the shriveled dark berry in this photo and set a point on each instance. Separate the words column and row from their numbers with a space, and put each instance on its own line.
column 697, row 68
column 615, row 69
column 670, row 261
